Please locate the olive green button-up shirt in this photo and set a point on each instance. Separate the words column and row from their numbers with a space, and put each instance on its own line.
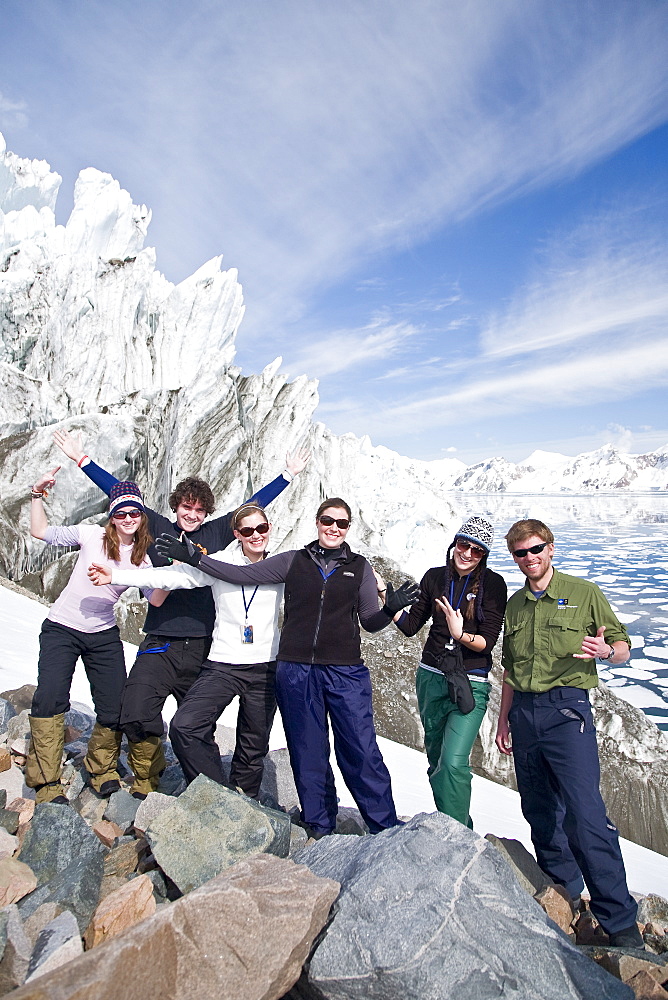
column 541, row 635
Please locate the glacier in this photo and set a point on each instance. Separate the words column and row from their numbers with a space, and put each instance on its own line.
column 95, row 339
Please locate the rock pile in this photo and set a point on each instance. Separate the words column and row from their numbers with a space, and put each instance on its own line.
column 204, row 892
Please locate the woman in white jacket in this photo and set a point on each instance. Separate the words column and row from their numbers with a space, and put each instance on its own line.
column 242, row 660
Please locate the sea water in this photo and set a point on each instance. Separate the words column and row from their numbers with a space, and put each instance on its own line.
column 620, row 542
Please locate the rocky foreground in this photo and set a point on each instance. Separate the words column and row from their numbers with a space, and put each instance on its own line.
column 202, row 892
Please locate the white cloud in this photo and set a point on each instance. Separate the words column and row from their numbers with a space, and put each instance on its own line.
column 344, row 349
column 12, row 113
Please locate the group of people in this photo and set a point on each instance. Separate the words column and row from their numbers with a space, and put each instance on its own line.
column 212, row 634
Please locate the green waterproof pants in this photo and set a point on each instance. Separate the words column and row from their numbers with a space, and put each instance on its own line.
column 448, row 739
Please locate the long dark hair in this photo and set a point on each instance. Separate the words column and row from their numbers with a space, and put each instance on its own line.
column 473, row 609
column 140, row 542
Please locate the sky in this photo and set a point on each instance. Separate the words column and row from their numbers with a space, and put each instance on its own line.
column 452, row 214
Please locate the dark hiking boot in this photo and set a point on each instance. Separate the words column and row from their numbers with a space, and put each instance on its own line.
column 629, row 937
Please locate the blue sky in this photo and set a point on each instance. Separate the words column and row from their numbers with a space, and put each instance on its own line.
column 453, row 214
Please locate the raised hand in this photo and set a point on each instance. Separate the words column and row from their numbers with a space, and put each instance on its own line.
column 69, row 444
column 46, row 481
column 183, row 551
column 453, row 617
column 594, row 645
column 100, row 575
column 403, row 597
column 297, row 460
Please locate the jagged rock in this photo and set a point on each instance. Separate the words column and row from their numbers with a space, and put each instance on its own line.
column 17, row 879
column 528, row 873
column 298, row 838
column 212, row 944
column 645, row 987
column 18, row 727
column 5, row 759
column 38, row 920
column 7, row 712
column 653, row 909
column 90, row 806
column 121, row 809
column 557, row 906
column 56, row 837
column 431, row 909
column 349, row 822
column 9, row 818
column 107, row 832
column 15, row 950
column 20, row 698
column 67, row 859
column 150, row 808
column 625, row 966
column 172, row 780
column 124, row 857
column 13, row 783
column 81, row 718
column 8, row 844
column 76, row 786
column 209, row 828
column 58, row 943
column 121, row 909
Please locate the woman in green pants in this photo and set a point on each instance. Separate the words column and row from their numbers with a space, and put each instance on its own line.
column 465, row 601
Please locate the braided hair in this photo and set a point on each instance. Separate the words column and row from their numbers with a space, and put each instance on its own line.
column 473, row 609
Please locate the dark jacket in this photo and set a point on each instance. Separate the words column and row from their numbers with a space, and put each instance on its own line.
column 323, row 608
column 493, row 604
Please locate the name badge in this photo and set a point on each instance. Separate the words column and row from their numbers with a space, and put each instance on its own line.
column 246, row 633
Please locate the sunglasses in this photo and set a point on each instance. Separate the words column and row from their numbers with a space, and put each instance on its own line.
column 340, row 522
column 534, row 550
column 261, row 529
column 464, row 546
column 122, row 514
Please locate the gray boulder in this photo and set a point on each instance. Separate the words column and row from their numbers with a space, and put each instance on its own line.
column 431, row 911
column 81, row 718
column 18, row 727
column 7, row 712
column 20, row 698
column 526, row 869
column 653, row 909
column 15, row 949
column 59, row 942
column 208, row 828
column 121, row 809
column 68, row 860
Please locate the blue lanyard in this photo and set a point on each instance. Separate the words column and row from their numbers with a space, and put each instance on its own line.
column 461, row 596
column 243, row 594
column 324, row 575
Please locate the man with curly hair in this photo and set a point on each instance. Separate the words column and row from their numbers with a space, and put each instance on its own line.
column 178, row 638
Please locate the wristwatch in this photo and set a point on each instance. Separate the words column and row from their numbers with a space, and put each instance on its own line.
column 610, row 655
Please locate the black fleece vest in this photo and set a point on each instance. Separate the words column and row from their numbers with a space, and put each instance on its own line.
column 320, row 622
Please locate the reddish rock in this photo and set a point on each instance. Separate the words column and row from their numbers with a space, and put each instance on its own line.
column 217, row 937
column 124, row 858
column 557, row 907
column 5, row 759
column 121, row 909
column 646, row 987
column 16, row 880
column 107, row 831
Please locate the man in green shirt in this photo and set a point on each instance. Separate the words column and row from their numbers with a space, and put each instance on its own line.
column 556, row 627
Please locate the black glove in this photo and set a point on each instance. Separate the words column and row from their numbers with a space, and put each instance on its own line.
column 184, row 551
column 460, row 692
column 403, row 597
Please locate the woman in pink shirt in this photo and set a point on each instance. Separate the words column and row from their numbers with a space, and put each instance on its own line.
column 81, row 623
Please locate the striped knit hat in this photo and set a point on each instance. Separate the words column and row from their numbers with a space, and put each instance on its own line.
column 477, row 529
column 125, row 494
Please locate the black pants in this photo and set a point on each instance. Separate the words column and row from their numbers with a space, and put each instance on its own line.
column 193, row 726
column 102, row 655
column 163, row 666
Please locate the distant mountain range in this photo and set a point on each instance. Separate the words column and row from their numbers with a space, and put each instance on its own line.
column 543, row 471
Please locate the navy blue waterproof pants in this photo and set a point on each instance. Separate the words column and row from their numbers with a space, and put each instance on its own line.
column 558, row 776
column 309, row 694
